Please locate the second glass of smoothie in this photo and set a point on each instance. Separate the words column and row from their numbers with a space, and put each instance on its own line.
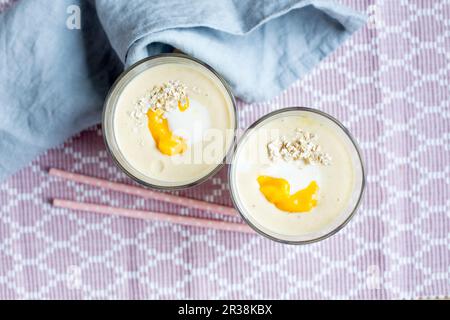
column 297, row 176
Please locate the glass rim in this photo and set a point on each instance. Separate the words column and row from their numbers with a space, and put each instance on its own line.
column 233, row 192
column 107, row 107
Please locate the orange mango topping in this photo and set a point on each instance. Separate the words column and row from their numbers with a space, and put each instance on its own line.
column 166, row 142
column 277, row 191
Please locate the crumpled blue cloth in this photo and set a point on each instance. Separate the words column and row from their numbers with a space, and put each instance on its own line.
column 53, row 78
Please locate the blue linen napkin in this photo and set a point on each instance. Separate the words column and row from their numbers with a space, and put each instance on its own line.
column 55, row 76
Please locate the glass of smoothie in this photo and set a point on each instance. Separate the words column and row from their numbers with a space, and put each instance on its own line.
column 169, row 121
column 297, row 176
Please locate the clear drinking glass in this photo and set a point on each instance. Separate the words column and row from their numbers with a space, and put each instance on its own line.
column 111, row 104
column 342, row 219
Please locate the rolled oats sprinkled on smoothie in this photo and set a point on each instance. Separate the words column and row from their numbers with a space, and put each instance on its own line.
column 302, row 146
column 165, row 97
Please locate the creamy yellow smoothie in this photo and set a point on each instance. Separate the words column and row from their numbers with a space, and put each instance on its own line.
column 296, row 176
column 172, row 122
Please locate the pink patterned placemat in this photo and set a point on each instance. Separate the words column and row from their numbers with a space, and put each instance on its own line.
column 389, row 85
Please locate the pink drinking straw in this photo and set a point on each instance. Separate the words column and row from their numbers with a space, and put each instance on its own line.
column 144, row 193
column 148, row 215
